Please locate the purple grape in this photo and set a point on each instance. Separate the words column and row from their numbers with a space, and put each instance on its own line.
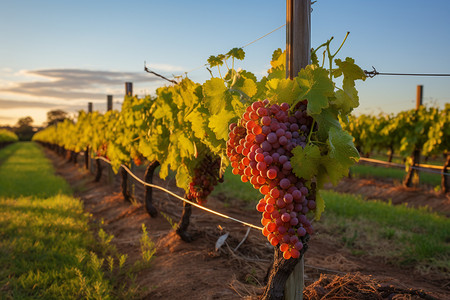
column 274, row 126
column 311, row 204
column 284, row 106
column 272, row 138
column 298, row 245
column 260, row 138
column 293, row 221
column 285, row 217
column 280, row 132
column 285, row 183
column 268, row 159
column 276, row 157
column 298, row 207
column 282, row 229
column 309, row 230
column 283, row 140
column 288, row 198
column 280, row 203
column 266, row 120
column 304, row 190
column 266, row 146
column 266, row 130
column 287, row 166
column 301, row 231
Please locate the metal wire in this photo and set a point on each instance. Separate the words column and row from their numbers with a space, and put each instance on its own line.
column 204, row 65
column 180, row 198
column 374, row 72
column 424, row 169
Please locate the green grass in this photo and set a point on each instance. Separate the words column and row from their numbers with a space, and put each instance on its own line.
column 234, row 188
column 368, row 171
column 400, row 234
column 28, row 173
column 7, row 151
column 45, row 240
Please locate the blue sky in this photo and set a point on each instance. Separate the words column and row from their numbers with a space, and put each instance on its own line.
column 62, row 54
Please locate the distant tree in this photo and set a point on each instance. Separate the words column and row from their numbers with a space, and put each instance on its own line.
column 23, row 128
column 55, row 116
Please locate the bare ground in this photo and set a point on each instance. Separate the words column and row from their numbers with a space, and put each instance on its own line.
column 196, row 270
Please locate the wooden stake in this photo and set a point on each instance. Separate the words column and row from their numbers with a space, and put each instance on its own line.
column 109, row 102
column 128, row 89
column 419, row 97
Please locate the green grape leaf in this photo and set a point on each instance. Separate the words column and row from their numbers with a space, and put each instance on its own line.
column 326, row 120
column 198, row 123
column 237, row 53
column 215, row 61
column 342, row 154
column 183, row 177
column 306, row 161
column 278, row 59
column 219, row 123
column 282, row 90
column 316, row 87
column 214, row 95
column 184, row 142
column 349, row 69
column 320, row 206
column 347, row 99
column 246, row 85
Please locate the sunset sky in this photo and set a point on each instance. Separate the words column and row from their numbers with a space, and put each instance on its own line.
column 63, row 54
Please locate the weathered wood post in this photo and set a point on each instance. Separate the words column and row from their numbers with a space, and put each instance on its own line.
column 414, row 173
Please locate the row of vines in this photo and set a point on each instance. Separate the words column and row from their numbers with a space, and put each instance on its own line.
column 283, row 136
column 410, row 134
column 7, row 137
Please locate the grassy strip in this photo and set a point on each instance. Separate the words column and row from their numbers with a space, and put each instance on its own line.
column 43, row 250
column 400, row 234
column 7, row 151
column 366, row 171
column 46, row 247
column 28, row 173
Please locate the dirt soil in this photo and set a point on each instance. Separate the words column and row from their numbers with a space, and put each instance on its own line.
column 197, row 270
column 387, row 190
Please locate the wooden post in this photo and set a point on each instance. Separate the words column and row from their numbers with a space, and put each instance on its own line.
column 419, row 97
column 298, row 36
column 298, row 56
column 89, row 107
column 109, row 102
column 413, row 174
column 128, row 89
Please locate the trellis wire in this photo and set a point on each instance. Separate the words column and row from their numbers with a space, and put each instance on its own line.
column 178, row 197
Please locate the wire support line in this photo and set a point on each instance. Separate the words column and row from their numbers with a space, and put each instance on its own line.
column 278, row 28
column 424, row 168
column 430, row 171
column 178, row 197
column 248, row 44
column 374, row 73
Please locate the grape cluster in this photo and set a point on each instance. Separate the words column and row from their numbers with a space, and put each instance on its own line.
column 259, row 148
column 206, row 176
